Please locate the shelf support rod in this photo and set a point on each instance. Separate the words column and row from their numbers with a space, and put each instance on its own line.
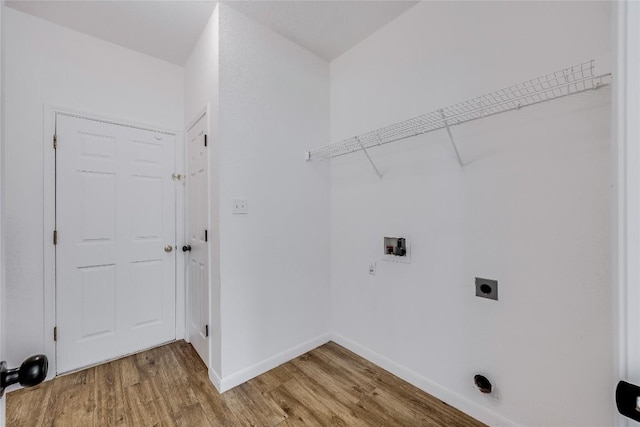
column 453, row 142
column 366, row 153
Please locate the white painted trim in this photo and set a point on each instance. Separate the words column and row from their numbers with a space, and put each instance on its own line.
column 193, row 122
column 119, row 121
column 618, row 125
column 181, row 235
column 49, row 265
column 215, row 240
column 210, row 252
column 49, row 253
column 233, row 380
column 2, row 205
column 626, row 129
column 451, row 398
column 214, row 378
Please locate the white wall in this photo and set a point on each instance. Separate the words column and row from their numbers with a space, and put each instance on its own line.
column 48, row 64
column 532, row 209
column 201, row 90
column 274, row 105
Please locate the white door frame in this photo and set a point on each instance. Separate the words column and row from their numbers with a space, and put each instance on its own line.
column 2, row 192
column 206, row 111
column 626, row 139
column 49, row 266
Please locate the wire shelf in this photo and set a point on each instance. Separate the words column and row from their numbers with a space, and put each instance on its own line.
column 565, row 82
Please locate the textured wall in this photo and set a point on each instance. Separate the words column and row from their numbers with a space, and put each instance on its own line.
column 533, row 209
column 274, row 104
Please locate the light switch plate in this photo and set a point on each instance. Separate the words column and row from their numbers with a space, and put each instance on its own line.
column 240, row 206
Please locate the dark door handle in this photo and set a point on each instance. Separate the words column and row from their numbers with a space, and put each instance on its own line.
column 32, row 372
column 628, row 400
column 186, row 248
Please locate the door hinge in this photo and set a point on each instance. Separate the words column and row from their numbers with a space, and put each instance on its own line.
column 55, row 333
column 55, row 237
column 206, row 330
column 206, row 236
column 205, row 139
column 55, row 141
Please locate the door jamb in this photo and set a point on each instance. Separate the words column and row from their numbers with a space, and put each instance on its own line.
column 626, row 106
column 49, row 203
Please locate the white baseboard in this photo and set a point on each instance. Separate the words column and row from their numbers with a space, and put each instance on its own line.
column 451, row 398
column 233, row 380
column 215, row 379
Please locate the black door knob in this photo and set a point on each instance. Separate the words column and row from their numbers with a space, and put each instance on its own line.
column 32, row 372
column 186, row 248
column 627, row 396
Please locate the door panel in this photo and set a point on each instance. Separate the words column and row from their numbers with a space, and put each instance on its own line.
column 197, row 219
column 98, row 206
column 98, row 287
column 147, row 277
column 115, row 212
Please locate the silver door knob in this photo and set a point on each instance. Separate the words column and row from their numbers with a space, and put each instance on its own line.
column 168, row 248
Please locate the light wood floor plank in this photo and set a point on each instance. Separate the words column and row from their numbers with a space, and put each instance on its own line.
column 169, row 386
column 213, row 404
column 325, row 378
column 192, row 416
column 248, row 405
column 111, row 410
column 274, row 378
column 301, row 408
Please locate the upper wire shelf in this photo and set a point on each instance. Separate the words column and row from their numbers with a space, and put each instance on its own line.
column 565, row 82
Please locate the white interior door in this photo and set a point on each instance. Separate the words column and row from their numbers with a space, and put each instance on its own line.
column 197, row 224
column 115, row 258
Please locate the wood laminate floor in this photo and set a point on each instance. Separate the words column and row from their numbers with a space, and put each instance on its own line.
column 168, row 386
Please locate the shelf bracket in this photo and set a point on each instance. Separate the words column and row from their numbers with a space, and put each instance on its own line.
column 453, row 142
column 364, row 150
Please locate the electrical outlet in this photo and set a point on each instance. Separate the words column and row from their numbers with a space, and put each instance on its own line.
column 372, row 268
column 240, row 206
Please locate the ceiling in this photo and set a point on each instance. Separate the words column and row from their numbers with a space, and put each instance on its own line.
column 169, row 29
column 327, row 28
column 164, row 29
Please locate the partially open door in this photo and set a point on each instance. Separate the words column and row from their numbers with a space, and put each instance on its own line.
column 199, row 237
